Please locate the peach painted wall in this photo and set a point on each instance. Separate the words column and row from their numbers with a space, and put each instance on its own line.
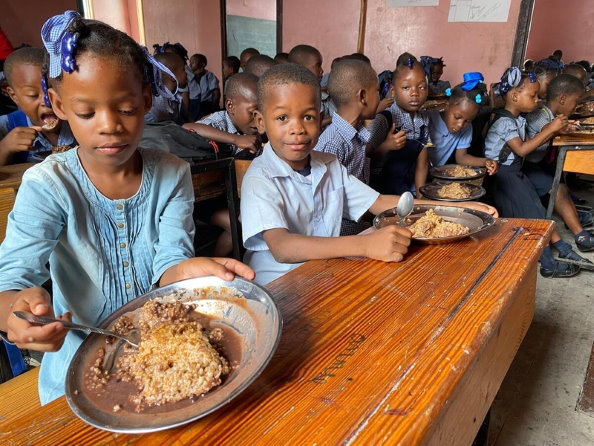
column 257, row 9
column 485, row 47
column 562, row 24
column 21, row 20
column 193, row 23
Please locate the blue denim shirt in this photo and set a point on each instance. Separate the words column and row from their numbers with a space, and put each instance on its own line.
column 102, row 253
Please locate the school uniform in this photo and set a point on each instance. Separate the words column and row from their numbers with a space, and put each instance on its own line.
column 446, row 143
column 514, row 194
column 222, row 121
column 201, row 90
column 41, row 145
column 165, row 109
column 102, row 253
column 539, row 171
column 439, row 87
column 276, row 196
column 395, row 173
column 348, row 144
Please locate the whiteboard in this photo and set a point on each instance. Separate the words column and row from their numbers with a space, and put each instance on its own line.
column 479, row 10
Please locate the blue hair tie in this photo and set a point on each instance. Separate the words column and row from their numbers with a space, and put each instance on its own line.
column 68, row 48
column 478, row 98
column 471, row 80
column 153, row 74
column 46, row 100
column 410, row 62
column 448, row 91
column 59, row 43
column 532, row 77
column 510, row 79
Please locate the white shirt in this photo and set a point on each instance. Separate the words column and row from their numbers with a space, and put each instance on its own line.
column 273, row 196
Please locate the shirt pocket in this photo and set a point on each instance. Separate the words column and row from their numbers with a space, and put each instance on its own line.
column 333, row 211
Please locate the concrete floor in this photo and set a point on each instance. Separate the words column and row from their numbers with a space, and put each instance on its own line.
column 536, row 404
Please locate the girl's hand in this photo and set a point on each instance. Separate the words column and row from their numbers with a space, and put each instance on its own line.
column 388, row 244
column 557, row 124
column 480, row 207
column 222, row 267
column 395, row 140
column 492, row 166
column 44, row 338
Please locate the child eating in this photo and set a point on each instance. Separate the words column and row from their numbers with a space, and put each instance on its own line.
column 33, row 131
column 506, row 142
column 450, row 130
column 112, row 220
column 293, row 198
column 433, row 67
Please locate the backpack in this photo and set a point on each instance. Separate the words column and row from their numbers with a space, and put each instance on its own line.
column 175, row 139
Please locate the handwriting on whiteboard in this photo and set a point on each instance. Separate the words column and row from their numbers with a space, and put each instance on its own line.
column 479, row 10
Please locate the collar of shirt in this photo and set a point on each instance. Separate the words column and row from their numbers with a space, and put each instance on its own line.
column 280, row 168
column 230, row 126
column 440, row 125
column 347, row 131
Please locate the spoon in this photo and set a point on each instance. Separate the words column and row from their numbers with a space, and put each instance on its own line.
column 405, row 206
column 131, row 338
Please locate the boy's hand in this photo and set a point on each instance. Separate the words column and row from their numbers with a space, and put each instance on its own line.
column 557, row 124
column 250, row 142
column 388, row 244
column 384, row 103
column 492, row 166
column 44, row 338
column 19, row 139
column 395, row 141
column 221, row 267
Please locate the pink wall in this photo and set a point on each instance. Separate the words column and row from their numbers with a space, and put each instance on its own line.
column 257, row 9
column 485, row 47
column 564, row 25
column 21, row 20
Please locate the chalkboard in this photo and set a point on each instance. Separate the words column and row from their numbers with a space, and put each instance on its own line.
column 246, row 32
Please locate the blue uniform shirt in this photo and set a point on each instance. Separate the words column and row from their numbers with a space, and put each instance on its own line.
column 445, row 142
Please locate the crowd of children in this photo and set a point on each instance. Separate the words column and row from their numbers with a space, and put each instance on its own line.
column 107, row 219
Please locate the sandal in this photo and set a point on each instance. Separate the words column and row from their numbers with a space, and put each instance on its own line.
column 560, row 270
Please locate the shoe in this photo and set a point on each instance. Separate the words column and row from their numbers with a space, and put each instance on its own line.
column 585, row 243
column 585, row 218
column 560, row 270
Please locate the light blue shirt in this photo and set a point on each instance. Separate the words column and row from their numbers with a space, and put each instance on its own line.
column 102, row 253
column 273, row 196
column 445, row 142
column 503, row 130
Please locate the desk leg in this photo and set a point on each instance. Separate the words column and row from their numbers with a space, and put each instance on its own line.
column 232, row 204
column 556, row 181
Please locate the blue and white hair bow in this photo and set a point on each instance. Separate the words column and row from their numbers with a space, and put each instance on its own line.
column 510, row 79
column 154, row 76
column 59, row 43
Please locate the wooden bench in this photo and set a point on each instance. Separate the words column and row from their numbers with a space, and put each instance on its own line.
column 18, row 396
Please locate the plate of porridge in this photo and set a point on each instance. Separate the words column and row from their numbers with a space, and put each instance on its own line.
column 458, row 172
column 201, row 342
column 452, row 191
column 438, row 224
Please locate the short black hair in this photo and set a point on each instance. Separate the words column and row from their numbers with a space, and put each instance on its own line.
column 237, row 85
column 170, row 60
column 233, row 62
column 576, row 70
column 282, row 57
column 285, row 74
column 103, row 40
column 358, row 56
column 177, row 48
column 300, row 53
column 347, row 77
column 564, row 84
column 252, row 51
column 404, row 57
column 259, row 64
column 201, row 58
column 23, row 56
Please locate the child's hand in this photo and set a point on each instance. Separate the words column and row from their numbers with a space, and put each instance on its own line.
column 44, row 338
column 479, row 207
column 221, row 267
column 557, row 124
column 395, row 141
column 492, row 166
column 388, row 244
column 19, row 139
column 250, row 142
column 384, row 103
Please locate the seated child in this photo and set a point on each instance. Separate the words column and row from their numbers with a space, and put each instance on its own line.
column 235, row 125
column 433, row 67
column 205, row 93
column 578, row 71
column 230, row 67
column 544, row 77
column 353, row 88
column 293, row 197
column 450, row 130
column 506, row 142
column 258, row 65
column 282, row 57
column 246, row 55
column 33, row 131
column 563, row 95
column 401, row 163
column 113, row 220
column 171, row 104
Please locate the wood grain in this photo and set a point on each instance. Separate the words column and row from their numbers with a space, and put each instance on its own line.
column 580, row 161
column 371, row 352
column 574, row 140
column 11, row 175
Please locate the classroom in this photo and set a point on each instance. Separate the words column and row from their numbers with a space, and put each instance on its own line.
column 297, row 222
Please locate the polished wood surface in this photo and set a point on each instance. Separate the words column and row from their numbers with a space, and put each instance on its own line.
column 371, row 352
column 574, row 139
column 11, row 175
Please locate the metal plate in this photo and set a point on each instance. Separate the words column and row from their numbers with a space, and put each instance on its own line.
column 475, row 221
column 255, row 320
column 431, row 191
column 441, row 172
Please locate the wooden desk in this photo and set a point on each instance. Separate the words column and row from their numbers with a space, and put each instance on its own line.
column 371, row 352
column 11, row 176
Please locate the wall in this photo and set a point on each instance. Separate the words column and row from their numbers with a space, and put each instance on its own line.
column 21, row 20
column 256, row 9
column 485, row 47
column 564, row 25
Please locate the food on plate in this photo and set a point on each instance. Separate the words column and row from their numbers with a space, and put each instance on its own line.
column 455, row 191
column 459, row 172
column 432, row 225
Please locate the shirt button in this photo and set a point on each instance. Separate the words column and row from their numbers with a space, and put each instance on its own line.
column 126, row 264
column 122, row 245
column 120, row 225
column 119, row 207
column 128, row 286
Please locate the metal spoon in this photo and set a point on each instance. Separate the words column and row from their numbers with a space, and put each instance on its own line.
column 405, row 206
column 132, row 337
